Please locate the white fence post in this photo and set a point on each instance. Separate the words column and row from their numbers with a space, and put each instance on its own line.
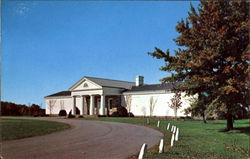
column 174, row 129
column 143, row 151
column 177, row 134
column 161, row 146
column 158, row 124
column 147, row 121
column 168, row 126
column 172, row 140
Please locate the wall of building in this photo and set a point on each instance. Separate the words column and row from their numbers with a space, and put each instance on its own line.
column 140, row 104
column 66, row 103
column 54, row 105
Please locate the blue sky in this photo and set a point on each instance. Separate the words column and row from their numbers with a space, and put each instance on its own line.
column 49, row 45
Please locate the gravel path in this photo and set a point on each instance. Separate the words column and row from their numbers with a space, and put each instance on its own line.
column 85, row 140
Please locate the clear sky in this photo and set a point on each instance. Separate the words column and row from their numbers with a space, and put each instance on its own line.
column 47, row 46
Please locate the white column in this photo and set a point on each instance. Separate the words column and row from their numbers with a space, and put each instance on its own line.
column 82, row 107
column 74, row 106
column 91, row 108
column 102, row 105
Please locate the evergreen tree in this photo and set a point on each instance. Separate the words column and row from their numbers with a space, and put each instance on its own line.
column 213, row 57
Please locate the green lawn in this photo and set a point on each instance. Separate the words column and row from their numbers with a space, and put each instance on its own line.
column 16, row 128
column 198, row 140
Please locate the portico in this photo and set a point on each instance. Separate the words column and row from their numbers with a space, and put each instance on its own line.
column 95, row 97
column 93, row 104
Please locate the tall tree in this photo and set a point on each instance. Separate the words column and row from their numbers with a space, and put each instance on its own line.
column 213, row 57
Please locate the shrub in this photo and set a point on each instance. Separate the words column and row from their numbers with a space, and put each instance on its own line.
column 210, row 118
column 114, row 114
column 130, row 114
column 62, row 113
column 70, row 115
column 186, row 118
column 121, row 112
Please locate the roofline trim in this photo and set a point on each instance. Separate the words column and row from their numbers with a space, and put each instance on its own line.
column 56, row 96
column 113, row 87
column 147, row 92
column 79, row 81
column 111, row 79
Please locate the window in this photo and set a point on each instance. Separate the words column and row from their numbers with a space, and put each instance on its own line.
column 85, row 85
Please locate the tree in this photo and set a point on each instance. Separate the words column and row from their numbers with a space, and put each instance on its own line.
column 198, row 107
column 213, row 57
column 24, row 110
column 152, row 103
column 9, row 108
column 175, row 103
column 35, row 110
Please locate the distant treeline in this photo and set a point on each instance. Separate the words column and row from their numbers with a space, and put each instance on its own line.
column 8, row 108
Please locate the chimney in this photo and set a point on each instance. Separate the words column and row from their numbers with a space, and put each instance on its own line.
column 139, row 80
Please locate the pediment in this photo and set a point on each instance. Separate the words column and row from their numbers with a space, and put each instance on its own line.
column 84, row 84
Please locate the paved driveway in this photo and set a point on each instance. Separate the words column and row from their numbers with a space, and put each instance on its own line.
column 86, row 139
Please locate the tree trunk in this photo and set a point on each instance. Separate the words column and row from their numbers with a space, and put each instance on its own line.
column 229, row 122
column 204, row 118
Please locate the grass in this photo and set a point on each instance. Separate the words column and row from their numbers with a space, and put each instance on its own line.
column 17, row 128
column 198, row 140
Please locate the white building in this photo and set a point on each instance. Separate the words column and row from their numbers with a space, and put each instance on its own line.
column 98, row 96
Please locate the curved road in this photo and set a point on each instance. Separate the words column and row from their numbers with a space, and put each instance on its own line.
column 86, row 139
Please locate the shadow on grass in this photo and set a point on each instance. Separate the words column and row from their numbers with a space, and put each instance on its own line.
column 245, row 130
column 235, row 122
